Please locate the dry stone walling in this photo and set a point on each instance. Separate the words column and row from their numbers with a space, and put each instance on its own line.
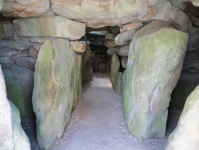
column 146, row 57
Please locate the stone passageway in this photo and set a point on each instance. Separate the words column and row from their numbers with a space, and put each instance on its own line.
column 97, row 122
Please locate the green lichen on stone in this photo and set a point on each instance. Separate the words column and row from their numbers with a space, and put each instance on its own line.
column 54, row 26
column 154, row 66
column 55, row 90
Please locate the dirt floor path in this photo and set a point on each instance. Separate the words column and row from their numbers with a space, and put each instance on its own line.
column 97, row 123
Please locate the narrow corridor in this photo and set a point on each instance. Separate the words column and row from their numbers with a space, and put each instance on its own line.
column 97, row 123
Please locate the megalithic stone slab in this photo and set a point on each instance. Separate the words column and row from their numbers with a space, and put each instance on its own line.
column 185, row 135
column 12, row 135
column 56, row 26
column 154, row 66
column 101, row 13
column 24, row 8
column 1, row 4
column 115, row 65
column 55, row 90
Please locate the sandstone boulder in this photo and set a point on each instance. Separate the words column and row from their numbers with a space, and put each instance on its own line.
column 154, row 66
column 50, row 26
column 123, row 51
column 115, row 65
column 109, row 43
column 79, row 47
column 185, row 135
column 23, row 8
column 173, row 15
column 124, row 62
column 55, row 90
column 100, row 13
column 19, row 83
column 131, row 26
column 125, row 37
column 12, row 135
column 109, row 36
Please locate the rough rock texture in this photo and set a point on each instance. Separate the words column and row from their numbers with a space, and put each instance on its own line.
column 123, row 51
column 23, row 8
column 17, row 45
column 173, row 15
column 186, row 84
column 109, row 36
column 50, row 26
column 193, row 43
column 87, row 72
column 115, row 65
column 124, row 62
column 124, row 82
column 19, row 83
column 79, row 47
column 185, row 135
column 20, row 139
column 109, row 43
column 125, row 37
column 12, row 135
column 131, row 26
column 6, row 29
column 154, row 66
column 1, row 4
column 28, row 62
column 100, row 13
column 55, row 90
column 118, row 87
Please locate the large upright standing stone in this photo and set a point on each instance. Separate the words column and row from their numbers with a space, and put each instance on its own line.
column 55, row 90
column 12, row 135
column 185, row 135
column 154, row 65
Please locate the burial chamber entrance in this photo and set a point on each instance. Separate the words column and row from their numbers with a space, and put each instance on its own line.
column 149, row 67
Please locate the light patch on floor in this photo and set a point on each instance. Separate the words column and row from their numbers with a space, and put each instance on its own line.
column 97, row 123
